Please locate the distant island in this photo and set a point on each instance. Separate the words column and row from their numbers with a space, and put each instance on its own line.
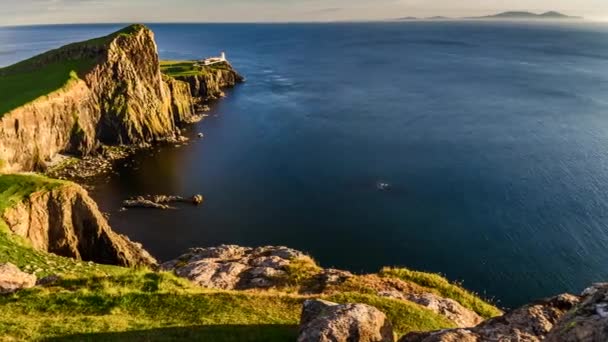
column 528, row 15
column 509, row 15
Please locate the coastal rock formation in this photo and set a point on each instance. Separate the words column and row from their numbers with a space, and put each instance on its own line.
column 324, row 321
column 232, row 267
column 66, row 221
column 12, row 279
column 160, row 201
column 588, row 322
column 529, row 323
column 122, row 98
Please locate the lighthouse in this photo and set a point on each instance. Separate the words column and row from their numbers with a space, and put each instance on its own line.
column 223, row 57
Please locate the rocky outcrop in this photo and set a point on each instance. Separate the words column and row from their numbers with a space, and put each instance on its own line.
column 121, row 99
column 529, row 323
column 231, row 267
column 209, row 85
column 588, row 322
column 446, row 307
column 324, row 321
column 160, row 201
column 12, row 279
column 66, row 221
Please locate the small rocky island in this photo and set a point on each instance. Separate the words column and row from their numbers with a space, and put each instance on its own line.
column 65, row 274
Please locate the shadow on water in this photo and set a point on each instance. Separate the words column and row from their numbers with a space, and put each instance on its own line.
column 219, row 333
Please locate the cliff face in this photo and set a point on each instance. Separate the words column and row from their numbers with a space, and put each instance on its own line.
column 121, row 99
column 67, row 222
column 210, row 84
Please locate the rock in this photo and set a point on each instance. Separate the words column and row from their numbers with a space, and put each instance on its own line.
column 588, row 322
column 140, row 202
column 448, row 308
column 197, row 199
column 332, row 276
column 67, row 222
column 13, row 280
column 160, row 201
column 48, row 281
column 530, row 323
column 201, row 135
column 123, row 99
column 324, row 321
column 234, row 267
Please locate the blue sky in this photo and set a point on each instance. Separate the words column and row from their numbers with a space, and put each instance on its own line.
column 17, row 12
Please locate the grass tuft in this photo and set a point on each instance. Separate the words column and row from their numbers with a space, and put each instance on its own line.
column 441, row 286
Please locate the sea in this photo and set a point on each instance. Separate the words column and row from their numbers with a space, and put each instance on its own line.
column 478, row 150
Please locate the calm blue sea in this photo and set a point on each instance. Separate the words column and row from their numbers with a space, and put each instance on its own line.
column 494, row 137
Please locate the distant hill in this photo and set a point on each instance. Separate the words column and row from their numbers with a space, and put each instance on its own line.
column 527, row 15
column 407, row 18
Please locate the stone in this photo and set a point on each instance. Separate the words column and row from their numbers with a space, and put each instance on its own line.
column 324, row 321
column 12, row 279
column 67, row 222
column 201, row 135
column 48, row 281
column 530, row 323
column 448, row 308
column 234, row 267
column 589, row 322
column 197, row 199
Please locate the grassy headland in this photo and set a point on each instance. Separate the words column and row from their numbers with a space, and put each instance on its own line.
column 188, row 68
column 43, row 74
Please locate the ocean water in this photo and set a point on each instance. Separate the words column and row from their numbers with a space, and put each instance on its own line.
column 494, row 137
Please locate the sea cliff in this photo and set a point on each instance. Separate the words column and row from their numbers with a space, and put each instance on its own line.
column 112, row 93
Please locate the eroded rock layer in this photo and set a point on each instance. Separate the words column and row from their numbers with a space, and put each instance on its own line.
column 66, row 221
column 121, row 99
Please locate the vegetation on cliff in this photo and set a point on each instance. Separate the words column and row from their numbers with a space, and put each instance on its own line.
column 189, row 68
column 40, row 75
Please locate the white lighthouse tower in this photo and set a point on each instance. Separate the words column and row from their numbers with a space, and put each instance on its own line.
column 223, row 57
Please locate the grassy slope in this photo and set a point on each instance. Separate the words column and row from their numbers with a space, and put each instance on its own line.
column 28, row 80
column 187, row 68
column 441, row 286
column 100, row 302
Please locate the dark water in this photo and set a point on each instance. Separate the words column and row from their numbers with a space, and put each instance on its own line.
column 494, row 137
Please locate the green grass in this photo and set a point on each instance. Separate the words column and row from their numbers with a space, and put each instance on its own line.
column 130, row 304
column 95, row 302
column 41, row 75
column 14, row 188
column 441, row 286
column 188, row 68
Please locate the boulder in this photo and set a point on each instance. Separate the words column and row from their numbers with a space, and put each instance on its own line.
column 231, row 267
column 12, row 279
column 324, row 321
column 530, row 323
column 589, row 322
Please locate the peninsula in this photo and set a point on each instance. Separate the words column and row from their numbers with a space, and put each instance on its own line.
column 66, row 275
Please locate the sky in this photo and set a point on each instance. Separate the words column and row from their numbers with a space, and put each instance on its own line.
column 25, row 12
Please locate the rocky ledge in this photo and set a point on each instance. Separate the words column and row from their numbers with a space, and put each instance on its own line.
column 67, row 222
column 122, row 98
column 231, row 267
column 563, row 318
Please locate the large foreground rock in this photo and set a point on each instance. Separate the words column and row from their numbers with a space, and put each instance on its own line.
column 588, row 322
column 530, row 323
column 324, row 321
column 234, row 267
column 67, row 222
column 12, row 279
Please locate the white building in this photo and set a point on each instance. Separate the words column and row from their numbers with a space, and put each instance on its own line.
column 215, row 60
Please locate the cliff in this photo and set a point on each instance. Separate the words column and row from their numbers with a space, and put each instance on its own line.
column 108, row 91
column 60, row 217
